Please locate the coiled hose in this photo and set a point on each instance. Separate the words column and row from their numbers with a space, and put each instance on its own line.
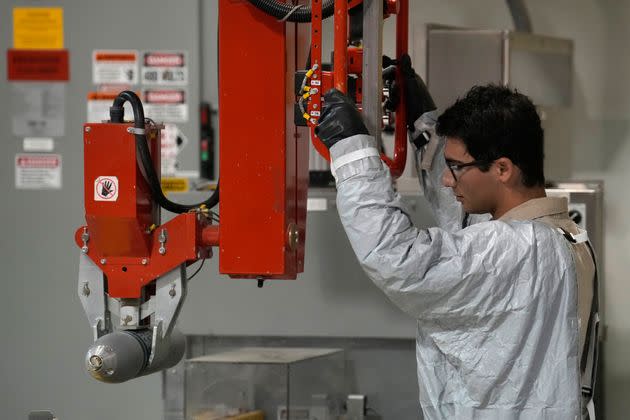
column 280, row 10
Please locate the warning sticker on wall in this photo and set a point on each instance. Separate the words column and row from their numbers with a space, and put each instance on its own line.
column 174, row 184
column 114, row 66
column 37, row 171
column 172, row 143
column 106, row 188
column 38, row 28
column 165, row 105
column 164, row 68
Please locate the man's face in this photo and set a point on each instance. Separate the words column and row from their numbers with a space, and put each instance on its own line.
column 476, row 190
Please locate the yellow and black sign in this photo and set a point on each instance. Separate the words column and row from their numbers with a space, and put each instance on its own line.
column 38, row 28
column 174, row 185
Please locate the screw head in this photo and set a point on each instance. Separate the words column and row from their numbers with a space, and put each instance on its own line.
column 103, row 260
column 84, row 249
column 145, row 261
column 87, row 129
column 172, row 292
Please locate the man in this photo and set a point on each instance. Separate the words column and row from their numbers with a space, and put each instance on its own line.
column 503, row 306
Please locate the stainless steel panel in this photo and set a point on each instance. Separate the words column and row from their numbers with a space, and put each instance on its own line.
column 458, row 60
column 538, row 66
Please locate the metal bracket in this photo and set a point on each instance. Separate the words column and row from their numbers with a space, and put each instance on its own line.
column 170, row 292
column 92, row 295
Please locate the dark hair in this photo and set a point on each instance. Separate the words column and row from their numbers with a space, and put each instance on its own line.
column 496, row 121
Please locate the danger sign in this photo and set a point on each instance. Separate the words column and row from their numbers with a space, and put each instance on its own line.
column 37, row 171
column 106, row 188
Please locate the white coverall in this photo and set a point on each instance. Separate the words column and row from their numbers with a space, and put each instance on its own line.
column 496, row 303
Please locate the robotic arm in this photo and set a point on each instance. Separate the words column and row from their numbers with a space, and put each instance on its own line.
column 132, row 273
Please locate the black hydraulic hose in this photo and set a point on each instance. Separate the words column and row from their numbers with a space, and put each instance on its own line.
column 117, row 114
column 280, row 10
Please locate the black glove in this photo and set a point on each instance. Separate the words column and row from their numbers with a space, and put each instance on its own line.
column 418, row 100
column 340, row 119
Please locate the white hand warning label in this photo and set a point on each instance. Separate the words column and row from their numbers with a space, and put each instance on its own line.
column 106, row 188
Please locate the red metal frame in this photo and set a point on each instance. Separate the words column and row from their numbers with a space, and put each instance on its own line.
column 349, row 59
column 123, row 238
column 259, row 155
column 397, row 162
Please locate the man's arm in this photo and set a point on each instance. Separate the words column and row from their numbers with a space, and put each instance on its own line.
column 427, row 273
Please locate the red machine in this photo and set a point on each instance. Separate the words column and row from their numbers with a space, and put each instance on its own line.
column 132, row 278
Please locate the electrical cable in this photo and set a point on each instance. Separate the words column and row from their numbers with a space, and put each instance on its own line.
column 197, row 270
column 117, row 115
column 288, row 15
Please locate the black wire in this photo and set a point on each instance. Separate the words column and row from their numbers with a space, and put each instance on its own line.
column 197, row 271
column 146, row 163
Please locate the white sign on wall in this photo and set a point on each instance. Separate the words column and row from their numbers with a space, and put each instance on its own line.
column 166, row 105
column 37, row 171
column 166, row 68
column 115, row 67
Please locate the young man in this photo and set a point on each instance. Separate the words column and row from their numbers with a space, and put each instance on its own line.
column 502, row 305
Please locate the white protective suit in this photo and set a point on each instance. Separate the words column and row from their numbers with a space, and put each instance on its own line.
column 496, row 303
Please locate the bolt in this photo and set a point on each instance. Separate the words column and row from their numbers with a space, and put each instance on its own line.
column 86, row 289
column 172, row 292
column 315, row 106
column 84, row 249
column 127, row 319
column 162, row 250
column 87, row 129
column 145, row 261
column 103, row 260
column 96, row 362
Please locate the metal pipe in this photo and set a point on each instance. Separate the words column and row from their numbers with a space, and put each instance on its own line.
column 210, row 236
column 341, row 46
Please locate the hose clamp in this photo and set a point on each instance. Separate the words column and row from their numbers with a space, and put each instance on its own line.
column 134, row 130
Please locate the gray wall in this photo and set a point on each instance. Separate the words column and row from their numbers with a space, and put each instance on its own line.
column 46, row 333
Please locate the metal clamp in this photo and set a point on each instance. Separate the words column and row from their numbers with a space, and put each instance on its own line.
column 134, row 130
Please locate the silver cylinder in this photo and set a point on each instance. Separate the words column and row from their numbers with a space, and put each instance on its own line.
column 124, row 355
